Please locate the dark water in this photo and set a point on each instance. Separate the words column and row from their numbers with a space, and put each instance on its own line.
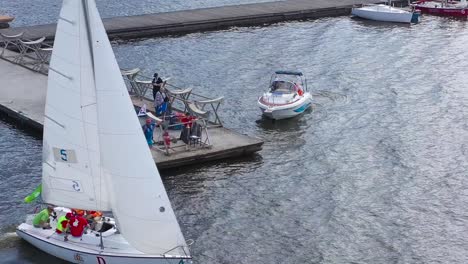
column 35, row 12
column 376, row 173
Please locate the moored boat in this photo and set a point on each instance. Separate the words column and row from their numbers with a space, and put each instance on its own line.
column 287, row 96
column 385, row 13
column 457, row 9
column 5, row 20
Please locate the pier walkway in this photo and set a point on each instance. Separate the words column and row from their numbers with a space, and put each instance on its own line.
column 22, row 98
column 186, row 21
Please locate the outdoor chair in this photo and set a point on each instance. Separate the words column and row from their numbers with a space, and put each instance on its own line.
column 214, row 103
column 10, row 40
column 143, row 87
column 202, row 116
column 181, row 94
column 195, row 137
column 129, row 77
column 43, row 58
column 26, row 47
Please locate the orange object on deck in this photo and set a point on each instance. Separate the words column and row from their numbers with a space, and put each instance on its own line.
column 78, row 212
column 95, row 213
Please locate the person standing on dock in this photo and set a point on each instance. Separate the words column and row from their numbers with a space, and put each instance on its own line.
column 157, row 84
column 148, row 129
column 158, row 100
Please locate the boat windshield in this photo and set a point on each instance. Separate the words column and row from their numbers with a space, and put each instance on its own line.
column 282, row 87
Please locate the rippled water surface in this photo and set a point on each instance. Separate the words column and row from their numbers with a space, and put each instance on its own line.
column 35, row 12
column 375, row 173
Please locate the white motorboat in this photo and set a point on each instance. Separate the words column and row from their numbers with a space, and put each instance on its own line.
column 385, row 13
column 287, row 96
column 95, row 156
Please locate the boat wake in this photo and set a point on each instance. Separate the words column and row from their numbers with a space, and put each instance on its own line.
column 9, row 240
column 320, row 96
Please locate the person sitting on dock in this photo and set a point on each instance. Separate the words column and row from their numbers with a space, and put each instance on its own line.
column 42, row 219
column 187, row 121
column 157, row 84
column 148, row 129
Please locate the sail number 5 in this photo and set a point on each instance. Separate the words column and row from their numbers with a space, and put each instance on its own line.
column 63, row 155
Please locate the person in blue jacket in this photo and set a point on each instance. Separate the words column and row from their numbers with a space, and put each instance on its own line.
column 148, row 129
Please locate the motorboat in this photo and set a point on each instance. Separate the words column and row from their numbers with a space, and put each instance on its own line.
column 287, row 95
column 96, row 158
column 443, row 8
column 385, row 13
column 5, row 20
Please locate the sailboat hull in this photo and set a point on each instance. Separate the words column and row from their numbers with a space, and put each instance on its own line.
column 383, row 13
column 435, row 8
column 87, row 250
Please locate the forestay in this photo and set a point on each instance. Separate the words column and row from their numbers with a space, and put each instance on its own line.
column 71, row 155
column 139, row 201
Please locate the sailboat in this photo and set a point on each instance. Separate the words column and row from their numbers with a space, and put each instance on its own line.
column 95, row 156
column 385, row 13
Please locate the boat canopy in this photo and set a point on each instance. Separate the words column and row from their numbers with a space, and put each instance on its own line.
column 297, row 73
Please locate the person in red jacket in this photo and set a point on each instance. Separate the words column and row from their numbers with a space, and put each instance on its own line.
column 77, row 224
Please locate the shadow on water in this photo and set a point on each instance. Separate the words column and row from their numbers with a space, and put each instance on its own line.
column 248, row 160
column 190, row 180
column 284, row 125
column 16, row 124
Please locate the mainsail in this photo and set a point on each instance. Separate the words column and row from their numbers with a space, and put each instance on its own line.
column 116, row 153
column 71, row 174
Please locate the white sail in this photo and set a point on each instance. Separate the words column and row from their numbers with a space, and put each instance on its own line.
column 139, row 201
column 71, row 174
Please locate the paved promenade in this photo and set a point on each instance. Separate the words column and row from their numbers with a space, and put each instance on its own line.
column 180, row 22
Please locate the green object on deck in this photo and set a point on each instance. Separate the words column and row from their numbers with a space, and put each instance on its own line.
column 33, row 196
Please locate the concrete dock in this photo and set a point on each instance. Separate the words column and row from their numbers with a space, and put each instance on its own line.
column 22, row 99
column 186, row 21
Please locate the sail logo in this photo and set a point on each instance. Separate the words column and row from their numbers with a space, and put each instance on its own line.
column 76, row 186
column 69, row 185
column 64, row 155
